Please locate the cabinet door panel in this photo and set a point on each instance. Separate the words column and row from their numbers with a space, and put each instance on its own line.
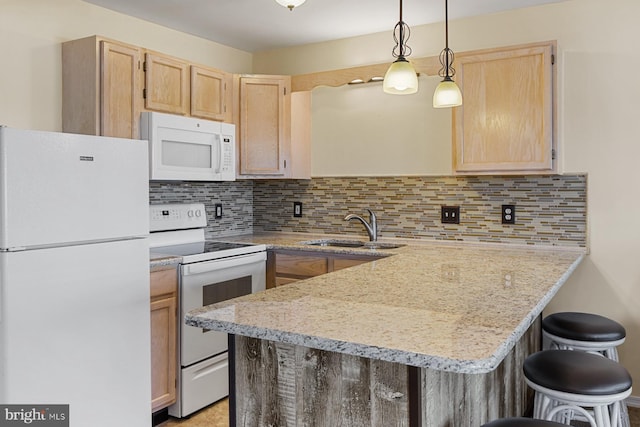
column 263, row 133
column 209, row 94
column 121, row 92
column 166, row 84
column 163, row 352
column 506, row 120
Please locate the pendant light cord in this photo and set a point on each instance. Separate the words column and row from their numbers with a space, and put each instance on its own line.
column 446, row 56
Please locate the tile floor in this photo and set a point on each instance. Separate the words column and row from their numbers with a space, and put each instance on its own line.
column 217, row 415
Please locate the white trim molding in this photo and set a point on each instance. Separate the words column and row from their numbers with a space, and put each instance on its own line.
column 633, row 401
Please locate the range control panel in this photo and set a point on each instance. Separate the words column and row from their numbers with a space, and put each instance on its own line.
column 177, row 216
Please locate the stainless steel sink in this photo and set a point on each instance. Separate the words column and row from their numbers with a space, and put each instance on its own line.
column 336, row 242
column 382, row 245
column 352, row 244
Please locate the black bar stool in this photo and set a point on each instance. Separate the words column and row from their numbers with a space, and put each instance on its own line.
column 571, row 383
column 584, row 332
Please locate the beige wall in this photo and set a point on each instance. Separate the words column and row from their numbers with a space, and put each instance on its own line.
column 31, row 32
column 598, row 115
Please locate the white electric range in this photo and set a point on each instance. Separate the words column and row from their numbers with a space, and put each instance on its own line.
column 210, row 272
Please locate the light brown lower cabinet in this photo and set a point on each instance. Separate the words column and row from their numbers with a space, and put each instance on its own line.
column 164, row 343
column 288, row 266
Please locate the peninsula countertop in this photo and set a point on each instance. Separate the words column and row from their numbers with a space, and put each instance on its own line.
column 452, row 307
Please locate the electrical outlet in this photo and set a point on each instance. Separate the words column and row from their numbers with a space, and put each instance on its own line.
column 508, row 214
column 218, row 210
column 450, row 214
column 297, row 209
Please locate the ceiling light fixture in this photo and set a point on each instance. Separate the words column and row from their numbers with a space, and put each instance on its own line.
column 447, row 93
column 401, row 78
column 290, row 3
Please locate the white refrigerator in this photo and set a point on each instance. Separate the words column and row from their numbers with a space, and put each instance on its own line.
column 74, row 276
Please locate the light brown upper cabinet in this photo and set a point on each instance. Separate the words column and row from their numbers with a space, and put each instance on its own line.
column 263, row 125
column 166, row 84
column 101, row 87
column 506, row 122
column 210, row 94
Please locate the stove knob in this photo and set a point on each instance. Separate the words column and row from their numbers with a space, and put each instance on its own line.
column 198, row 213
column 190, row 213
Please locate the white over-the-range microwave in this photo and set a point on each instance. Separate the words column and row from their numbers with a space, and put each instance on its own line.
column 189, row 149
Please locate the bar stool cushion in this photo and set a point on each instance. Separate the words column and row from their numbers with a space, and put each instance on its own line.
column 583, row 327
column 576, row 372
column 522, row 422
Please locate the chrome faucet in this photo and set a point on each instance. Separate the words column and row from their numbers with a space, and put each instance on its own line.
column 371, row 226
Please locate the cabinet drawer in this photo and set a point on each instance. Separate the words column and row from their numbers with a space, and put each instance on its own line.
column 164, row 282
column 301, row 265
column 285, row 280
column 340, row 263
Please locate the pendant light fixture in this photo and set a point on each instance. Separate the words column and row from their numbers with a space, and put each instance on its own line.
column 447, row 93
column 290, row 3
column 401, row 78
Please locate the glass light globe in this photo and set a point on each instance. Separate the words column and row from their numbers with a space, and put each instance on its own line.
column 290, row 3
column 447, row 94
column 401, row 78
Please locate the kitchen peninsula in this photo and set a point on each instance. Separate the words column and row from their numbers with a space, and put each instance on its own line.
column 432, row 335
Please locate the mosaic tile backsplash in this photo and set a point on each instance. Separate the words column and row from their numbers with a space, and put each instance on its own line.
column 236, row 199
column 550, row 210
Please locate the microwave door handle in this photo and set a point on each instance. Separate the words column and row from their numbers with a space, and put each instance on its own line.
column 218, row 169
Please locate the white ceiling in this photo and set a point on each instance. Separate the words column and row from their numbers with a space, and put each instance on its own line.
column 255, row 25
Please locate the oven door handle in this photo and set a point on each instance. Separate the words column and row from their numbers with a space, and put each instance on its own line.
column 219, row 264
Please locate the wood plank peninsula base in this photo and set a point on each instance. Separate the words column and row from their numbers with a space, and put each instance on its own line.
column 280, row 384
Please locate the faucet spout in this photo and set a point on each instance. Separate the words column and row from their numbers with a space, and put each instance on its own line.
column 371, row 226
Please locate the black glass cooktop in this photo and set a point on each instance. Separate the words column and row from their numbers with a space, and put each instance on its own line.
column 213, row 246
column 202, row 247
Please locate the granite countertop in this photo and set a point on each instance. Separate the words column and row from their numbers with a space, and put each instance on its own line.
column 452, row 307
column 159, row 261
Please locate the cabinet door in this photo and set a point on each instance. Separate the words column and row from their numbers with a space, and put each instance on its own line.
column 505, row 123
column 264, row 130
column 210, row 94
column 163, row 352
column 166, row 84
column 121, row 90
column 164, row 338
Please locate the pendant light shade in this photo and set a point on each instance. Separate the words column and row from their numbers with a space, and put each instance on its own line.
column 290, row 3
column 447, row 93
column 401, row 77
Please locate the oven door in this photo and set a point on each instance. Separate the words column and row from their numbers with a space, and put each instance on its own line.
column 209, row 282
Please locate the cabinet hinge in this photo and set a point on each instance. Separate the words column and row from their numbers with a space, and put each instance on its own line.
column 144, row 93
column 553, row 154
column 553, row 59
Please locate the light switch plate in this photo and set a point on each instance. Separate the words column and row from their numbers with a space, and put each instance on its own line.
column 450, row 214
column 297, row 209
